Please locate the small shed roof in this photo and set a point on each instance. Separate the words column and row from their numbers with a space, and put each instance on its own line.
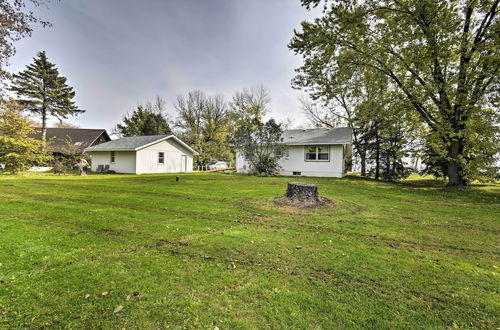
column 134, row 143
column 337, row 135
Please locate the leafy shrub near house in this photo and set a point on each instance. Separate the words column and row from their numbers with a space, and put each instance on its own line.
column 261, row 145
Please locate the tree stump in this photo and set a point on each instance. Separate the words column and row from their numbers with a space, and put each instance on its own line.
column 302, row 191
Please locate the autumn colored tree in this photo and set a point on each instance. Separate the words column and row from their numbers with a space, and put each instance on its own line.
column 18, row 152
column 16, row 22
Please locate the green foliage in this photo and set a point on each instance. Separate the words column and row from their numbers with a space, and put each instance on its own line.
column 441, row 56
column 382, row 130
column 146, row 120
column 16, row 22
column 18, row 152
column 250, row 104
column 205, row 124
column 43, row 92
column 479, row 155
column 209, row 123
column 262, row 146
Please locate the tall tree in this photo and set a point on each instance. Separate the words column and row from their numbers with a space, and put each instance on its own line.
column 250, row 103
column 148, row 119
column 247, row 107
column 365, row 101
column 18, row 151
column 43, row 92
column 189, row 120
column 337, row 103
column 16, row 22
column 442, row 56
column 216, row 129
column 205, row 124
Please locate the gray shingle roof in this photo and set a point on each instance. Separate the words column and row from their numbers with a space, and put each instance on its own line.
column 127, row 143
column 135, row 143
column 338, row 135
column 81, row 138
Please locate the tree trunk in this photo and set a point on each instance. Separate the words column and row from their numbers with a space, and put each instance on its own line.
column 377, row 157
column 454, row 170
column 362, row 157
column 302, row 191
column 44, row 129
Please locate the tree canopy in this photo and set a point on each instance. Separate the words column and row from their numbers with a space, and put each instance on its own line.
column 148, row 119
column 42, row 91
column 18, row 152
column 205, row 123
column 441, row 56
column 16, row 22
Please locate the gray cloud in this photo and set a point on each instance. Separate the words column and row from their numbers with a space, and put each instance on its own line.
column 118, row 53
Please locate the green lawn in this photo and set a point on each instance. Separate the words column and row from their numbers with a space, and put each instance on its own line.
column 213, row 250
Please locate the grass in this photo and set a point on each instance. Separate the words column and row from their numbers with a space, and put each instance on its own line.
column 213, row 250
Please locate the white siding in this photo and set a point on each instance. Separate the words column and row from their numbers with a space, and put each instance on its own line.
column 147, row 158
column 242, row 165
column 124, row 161
column 295, row 162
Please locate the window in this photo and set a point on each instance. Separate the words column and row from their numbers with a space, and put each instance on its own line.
column 323, row 153
column 112, row 157
column 317, row 153
column 161, row 158
column 297, row 173
column 311, row 153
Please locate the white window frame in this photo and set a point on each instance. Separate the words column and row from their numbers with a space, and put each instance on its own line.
column 112, row 157
column 163, row 156
column 306, row 151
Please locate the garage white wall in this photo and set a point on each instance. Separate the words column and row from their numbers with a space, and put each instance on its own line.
column 147, row 158
column 295, row 162
column 125, row 161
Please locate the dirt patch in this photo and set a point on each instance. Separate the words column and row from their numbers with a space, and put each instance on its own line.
column 303, row 203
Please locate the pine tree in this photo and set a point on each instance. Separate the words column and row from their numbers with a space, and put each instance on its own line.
column 43, row 92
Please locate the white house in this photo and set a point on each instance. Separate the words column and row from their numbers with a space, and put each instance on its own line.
column 312, row 152
column 144, row 154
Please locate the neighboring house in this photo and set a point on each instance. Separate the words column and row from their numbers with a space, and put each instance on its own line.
column 144, row 154
column 312, row 152
column 60, row 139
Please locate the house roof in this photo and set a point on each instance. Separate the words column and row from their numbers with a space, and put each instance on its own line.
column 338, row 135
column 134, row 143
column 79, row 137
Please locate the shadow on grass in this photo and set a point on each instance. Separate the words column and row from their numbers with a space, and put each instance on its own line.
column 424, row 182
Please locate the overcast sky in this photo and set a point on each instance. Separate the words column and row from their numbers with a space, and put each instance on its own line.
column 118, row 53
